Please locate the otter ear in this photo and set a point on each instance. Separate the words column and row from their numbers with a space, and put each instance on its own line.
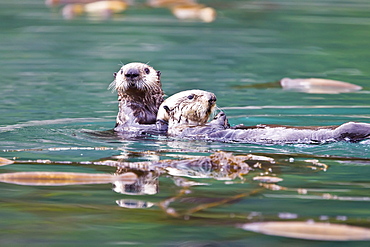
column 114, row 74
column 158, row 73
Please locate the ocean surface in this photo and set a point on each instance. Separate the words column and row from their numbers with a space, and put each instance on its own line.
column 57, row 114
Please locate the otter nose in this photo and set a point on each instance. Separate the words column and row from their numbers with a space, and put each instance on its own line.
column 132, row 73
column 212, row 99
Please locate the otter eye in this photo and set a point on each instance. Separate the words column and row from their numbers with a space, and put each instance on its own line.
column 121, row 71
column 147, row 70
column 158, row 73
column 114, row 74
column 191, row 96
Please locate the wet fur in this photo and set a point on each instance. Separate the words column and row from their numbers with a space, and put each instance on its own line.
column 184, row 109
column 219, row 129
column 140, row 94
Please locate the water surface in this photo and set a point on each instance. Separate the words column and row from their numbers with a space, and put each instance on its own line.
column 54, row 79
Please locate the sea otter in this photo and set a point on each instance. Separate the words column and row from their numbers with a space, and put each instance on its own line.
column 140, row 94
column 186, row 115
column 185, row 109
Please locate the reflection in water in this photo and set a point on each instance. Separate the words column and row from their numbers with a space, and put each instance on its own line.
column 146, row 184
column 132, row 203
column 143, row 178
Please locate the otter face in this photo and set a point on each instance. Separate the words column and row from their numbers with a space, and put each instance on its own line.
column 136, row 77
column 192, row 107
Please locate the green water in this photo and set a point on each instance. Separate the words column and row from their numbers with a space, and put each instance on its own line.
column 54, row 78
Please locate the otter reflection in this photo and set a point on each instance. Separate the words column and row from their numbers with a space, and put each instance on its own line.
column 142, row 178
column 134, row 179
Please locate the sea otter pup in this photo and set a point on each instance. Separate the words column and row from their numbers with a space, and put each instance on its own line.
column 186, row 114
column 140, row 94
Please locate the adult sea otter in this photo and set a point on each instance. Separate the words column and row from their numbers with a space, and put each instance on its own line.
column 139, row 95
column 185, row 115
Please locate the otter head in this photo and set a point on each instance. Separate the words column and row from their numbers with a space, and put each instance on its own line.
column 140, row 94
column 186, row 108
column 136, row 78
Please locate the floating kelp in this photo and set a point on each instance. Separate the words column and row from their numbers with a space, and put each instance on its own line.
column 307, row 85
column 169, row 3
column 4, row 161
column 54, row 3
column 102, row 9
column 317, row 165
column 181, row 9
column 310, row 230
column 268, row 179
column 318, row 85
column 194, row 12
column 64, row 178
column 186, row 9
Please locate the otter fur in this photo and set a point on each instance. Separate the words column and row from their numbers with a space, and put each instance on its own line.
column 140, row 94
column 180, row 114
